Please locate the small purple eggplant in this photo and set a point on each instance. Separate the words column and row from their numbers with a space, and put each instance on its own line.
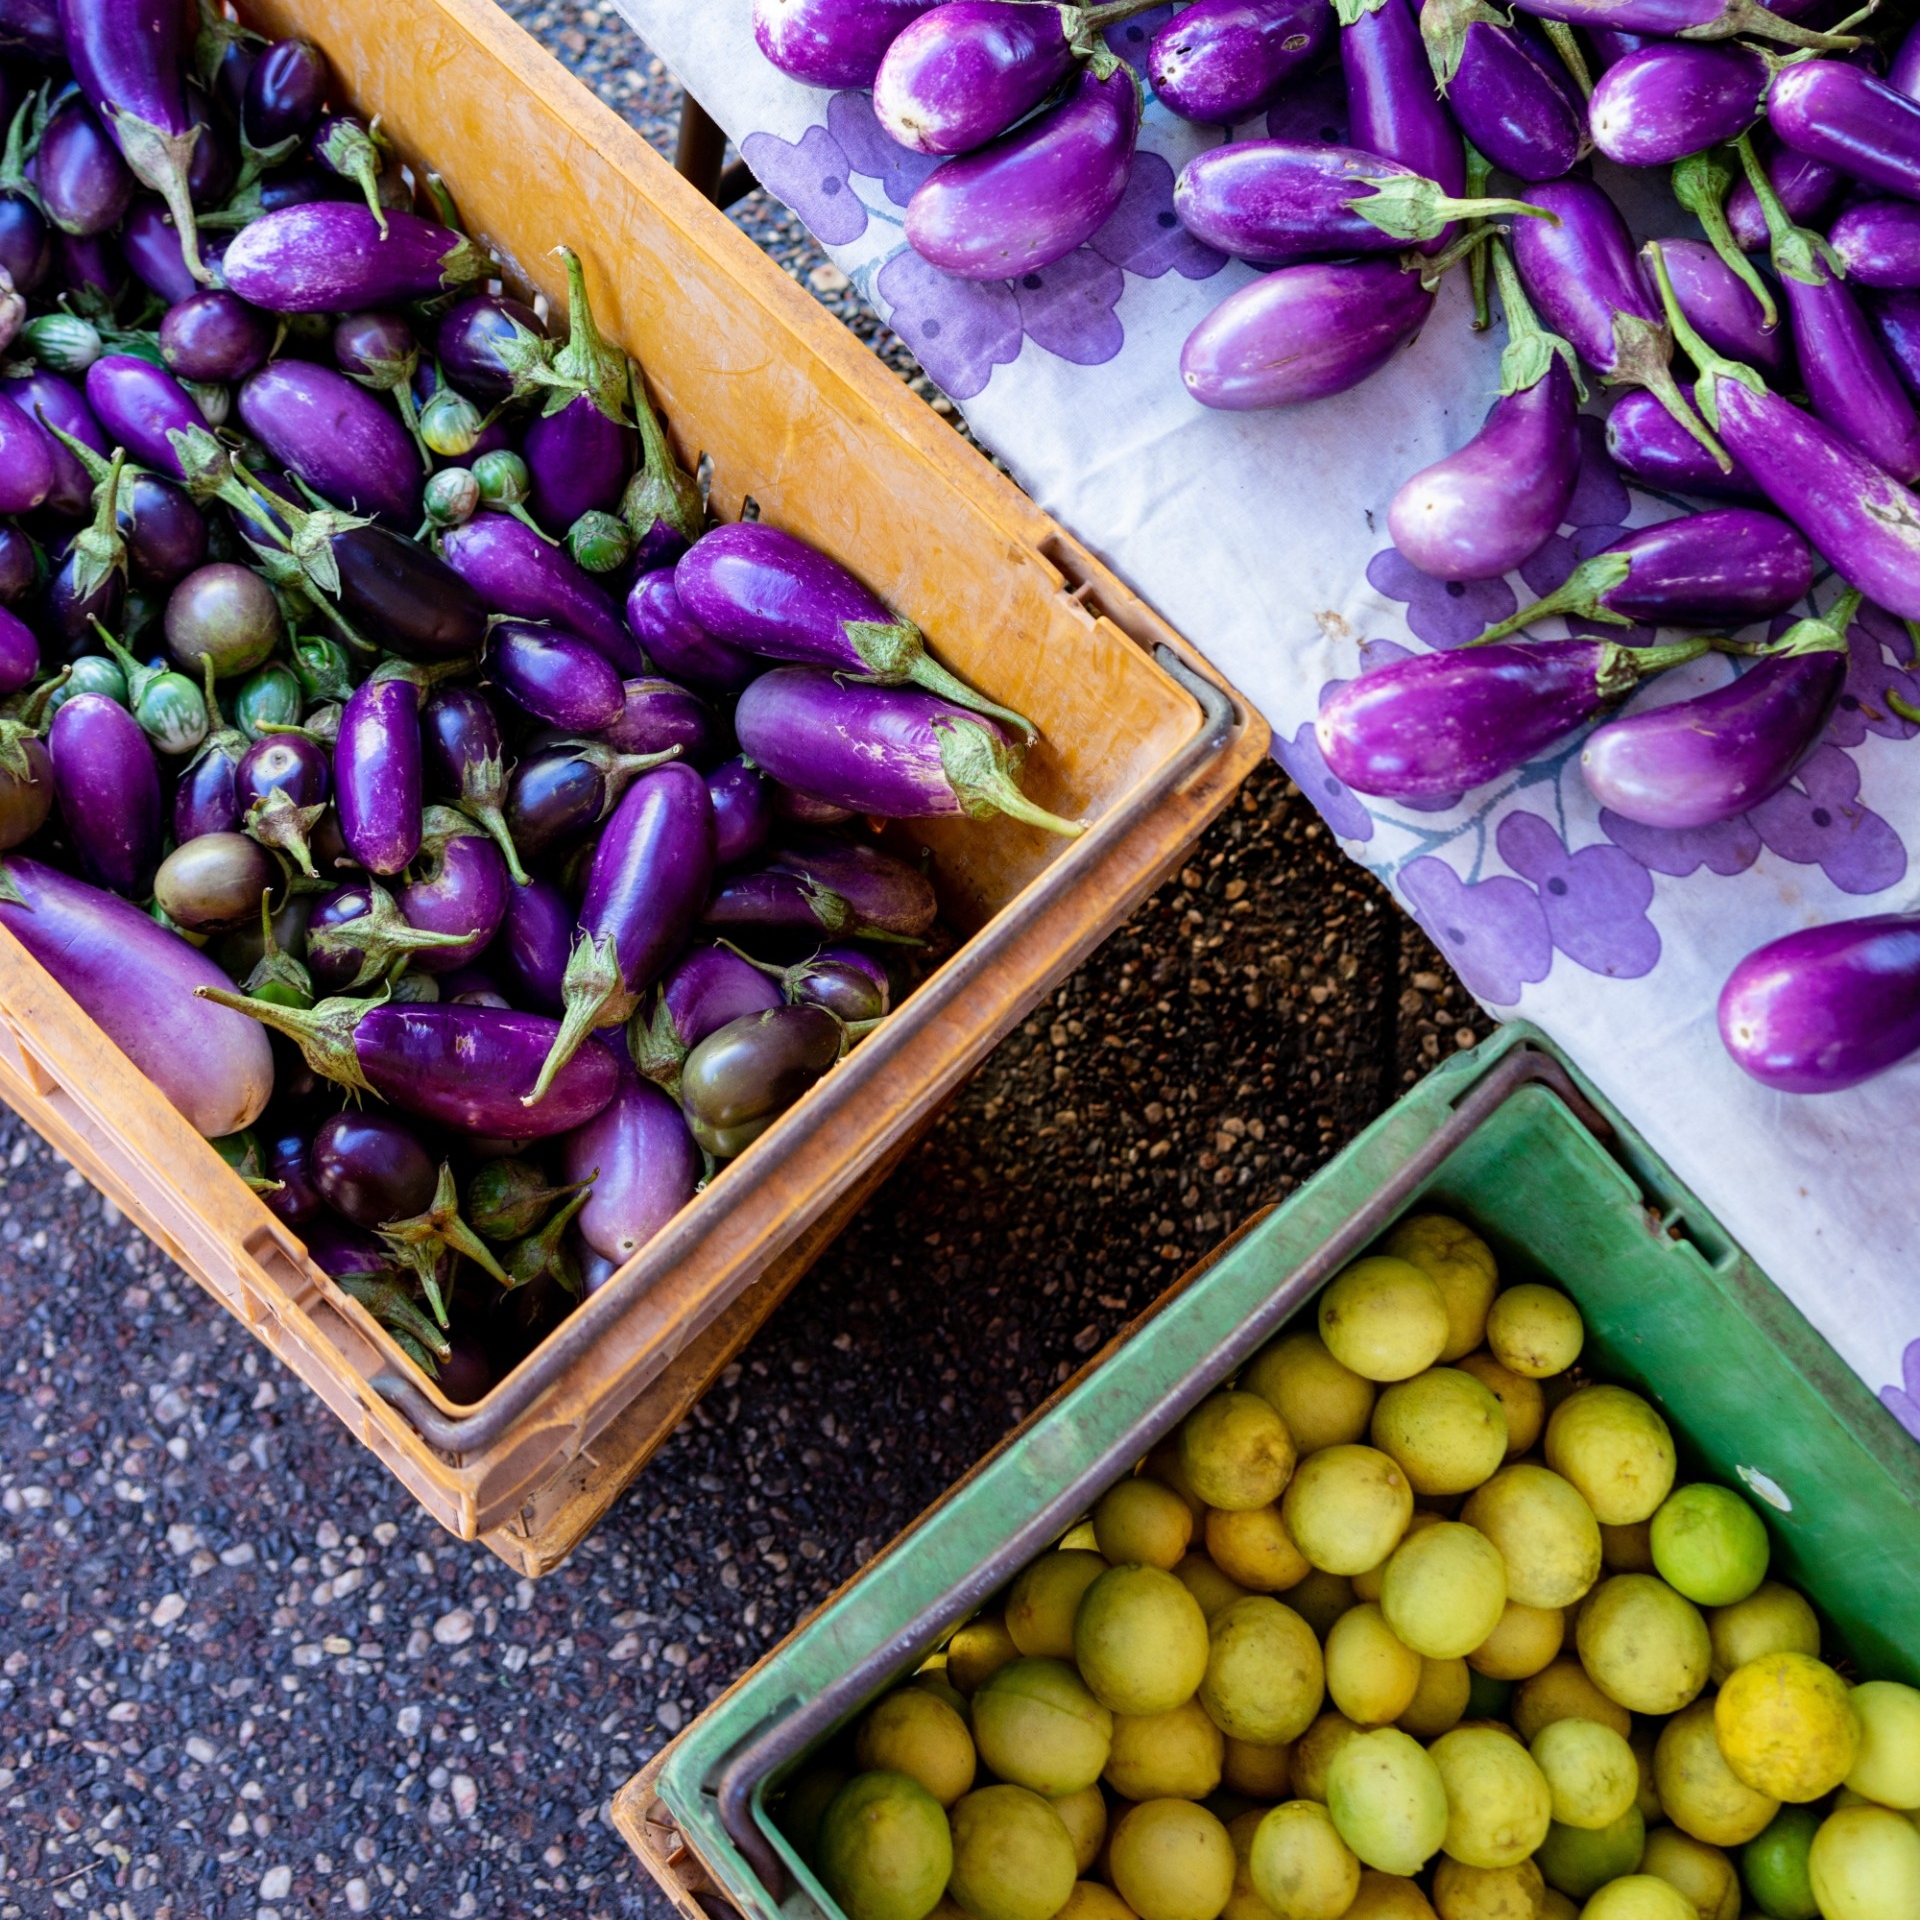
column 297, row 1200
column 1722, row 307
column 1442, row 723
column 214, row 335
column 832, row 43
column 91, row 268
column 554, row 675
column 165, row 533
column 371, row 1168
column 1825, row 1008
column 535, row 938
column 1896, row 319
column 377, row 773
column 643, row 1164
column 1710, row 758
column 657, row 716
column 515, row 571
column 1509, row 94
column 742, row 799
column 19, row 652
column 466, row 763
column 964, row 73
column 678, row 645
column 150, row 244
column 356, row 150
column 1840, row 114
column 335, row 436
column 1303, row 332
column 50, row 401
column 462, row 889
column 1644, row 440
column 736, row 1083
column 558, row 793
column 779, row 899
column 1807, row 189
column 1221, row 62
column 487, row 344
column 330, row 256
column 84, row 185
column 580, row 448
column 705, row 989
column 1394, row 110
column 20, row 567
column 846, row 981
column 108, row 787
column 893, row 751
column 888, row 897
column 664, row 506
column 140, row 405
column 285, row 92
column 206, row 798
column 1878, row 242
column 26, row 461
column 281, row 787
column 358, row 932
column 1674, row 99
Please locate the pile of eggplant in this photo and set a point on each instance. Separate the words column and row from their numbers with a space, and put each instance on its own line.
column 471, row 841
column 1791, row 400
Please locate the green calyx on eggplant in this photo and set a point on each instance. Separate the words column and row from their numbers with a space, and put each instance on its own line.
column 277, row 977
column 418, row 1242
column 661, row 493
column 171, row 710
column 378, row 935
column 417, row 1337
column 241, row 1151
column 587, row 364
column 508, row 1199
column 544, row 1254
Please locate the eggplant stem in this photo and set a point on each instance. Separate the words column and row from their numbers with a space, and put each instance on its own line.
column 1711, row 366
column 976, row 766
column 1798, row 254
column 1530, row 347
column 930, row 674
column 1819, row 633
column 1903, row 707
column 324, row 1033
column 1752, row 16
column 162, row 161
column 1578, row 597
column 1700, row 184
column 1569, row 50
column 1643, row 355
column 1622, row 668
column 591, row 982
column 1479, row 174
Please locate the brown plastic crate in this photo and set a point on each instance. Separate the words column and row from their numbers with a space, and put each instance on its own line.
column 1139, row 740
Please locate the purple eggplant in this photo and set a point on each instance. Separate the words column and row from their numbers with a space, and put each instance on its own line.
column 84, row 185
column 1723, row 309
column 126, row 55
column 515, row 571
column 887, row 896
column 108, row 787
column 1509, row 95
column 223, row 615
column 1479, row 513
column 466, row 763
column 371, row 1168
column 377, row 773
column 214, row 335
column 205, row 798
column 534, row 941
column 846, row 981
column 805, row 810
column 1223, row 61
column 285, row 92
column 335, row 436
column 26, row 460
column 214, row 171
column 486, row 345
column 1035, row 194
column 894, row 751
column 330, row 256
column 706, row 988
column 677, row 644
column 1725, row 567
column 150, row 245
column 656, row 716
column 87, row 593
column 1303, row 332
column 1700, row 183
column 32, row 27
column 964, row 73
column 280, row 787
column 1807, row 189
column 298, row 1200
column 140, row 405
column 664, row 506
column 1687, row 20
column 462, row 888
column 1896, row 319
column 777, row 899
column 580, row 448
column 136, row 981
column 1712, row 757
column 736, row 1083
column 1272, row 200
column 1671, row 100
column 91, row 268
column 19, row 652
column 742, row 799
column 357, row 933
column 50, row 401
column 165, row 533
column 554, row 675
column 643, row 1165
column 832, row 43
column 559, row 792
column 645, row 889
column 1840, row 114
column 378, row 351
column 1878, row 242
column 1393, row 108
column 1825, row 1008
column 1644, row 440
column 407, row 599
column 20, row 567
column 1442, row 723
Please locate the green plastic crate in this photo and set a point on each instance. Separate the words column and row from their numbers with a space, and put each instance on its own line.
column 1507, row 1137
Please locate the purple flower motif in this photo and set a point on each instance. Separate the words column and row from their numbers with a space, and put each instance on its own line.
column 873, row 151
column 1374, row 654
column 1144, row 234
column 1444, row 613
column 1068, row 308
column 1548, row 566
column 960, row 330
column 1818, row 820
column 1595, row 900
column 1903, row 1401
column 1302, row 759
column 1599, row 496
column 813, row 178
column 1493, row 931
column 1131, row 38
column 1314, row 114
column 1874, row 638
column 1726, row 847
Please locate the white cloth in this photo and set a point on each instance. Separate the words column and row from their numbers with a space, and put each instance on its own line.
column 1262, row 537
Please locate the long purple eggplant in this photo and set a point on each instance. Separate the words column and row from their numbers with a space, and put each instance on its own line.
column 1878, row 242
column 1644, row 440
column 126, row 55
column 139, row 405
column 580, row 448
column 1825, row 1008
column 1840, row 114
column 1223, row 61
column 832, row 43
column 1807, row 188
column 559, row 792
column 1442, row 723
column 1722, row 307
column 677, row 644
column 1657, row 106
column 136, row 981
column 84, row 185
column 1687, row 20
column 377, row 773
column 329, row 256
column 462, row 887
column 1896, row 319
column 886, row 894
column 1511, row 96
column 894, row 751
column 1392, row 106
column 335, row 436
column 771, row 594
column 49, row 401
column 150, row 244
column 1710, row 758
column 515, row 571
column 1032, row 196
column 555, row 676
column 465, row 762
column 777, row 898
column 643, row 1164
column 1479, row 513
column 534, row 941
column 108, row 787
column 1303, row 332
column 705, row 989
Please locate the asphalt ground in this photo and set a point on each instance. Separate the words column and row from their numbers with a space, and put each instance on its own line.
column 240, row 1676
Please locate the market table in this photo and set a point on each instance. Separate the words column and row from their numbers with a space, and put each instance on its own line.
column 1262, row 536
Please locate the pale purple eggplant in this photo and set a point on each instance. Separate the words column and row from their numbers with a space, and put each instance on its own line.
column 1723, row 310
column 1304, row 332
column 894, row 751
column 330, row 256
column 554, row 675
column 887, row 895
column 1644, row 441
column 126, row 55
column 1725, row 568
column 1511, row 96
column 580, row 449
column 704, row 990
column 108, row 787
column 336, row 437
column 1826, row 1008
column 214, row 335
column 1393, row 109
column 26, row 460
column 645, row 888
column 150, row 245
column 656, row 716
column 139, row 406
column 377, row 773
column 485, row 345
column 1442, row 723
column 1687, row 20
column 462, row 888
column 832, row 43
column 771, row 594
column 285, row 92
column 1223, row 61
column 1479, row 513
column 676, row 643
column 964, row 73
column 1807, row 189
column 643, row 1164
column 1710, row 758
column 736, row 1083
column 84, row 185
column 742, row 799
column 1878, row 242
column 535, row 939
column 515, row 571
column 465, row 762
column 49, row 401
column 1660, row 105
column 1032, row 196
column 280, row 787
column 1841, row 115
column 1896, row 319
column 136, row 980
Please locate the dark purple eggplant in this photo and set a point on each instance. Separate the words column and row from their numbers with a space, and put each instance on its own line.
column 281, row 786
column 555, row 676
column 358, row 932
column 297, row 1199
column 32, row 27
column 488, row 345
column 336, row 437
column 137, row 981
column 214, row 171
column 214, row 335
column 706, row 988
column 643, row 1164
column 895, row 751
column 850, row 984
column 377, row 773
column 655, row 716
column 1509, row 94
column 26, row 460
column 371, row 1168
column 736, row 1083
column 831, row 43
column 330, row 256
column 962, row 75
column 1677, row 98
column 1223, row 61
column 1807, row 189
column 558, row 793
column 51, row 401
column 20, row 567
column 515, row 571
column 84, row 185
column 678, row 645
column 1393, row 108
column 205, row 797
column 1645, row 441
column 1840, row 114
column 580, row 448
column 19, row 652
column 165, row 533
column 150, row 245
column 777, row 899
column 1896, row 319
column 92, row 270
column 888, row 897
column 462, row 889
column 108, row 787
column 742, row 799
column 407, row 599
column 223, row 614
column 535, row 939
column 285, row 92
column 1723, row 308
column 664, row 506
column 215, row 883
column 466, row 763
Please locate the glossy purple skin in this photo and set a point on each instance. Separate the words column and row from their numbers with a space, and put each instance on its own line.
column 1879, row 240
column 343, row 441
column 1659, row 19
column 647, row 1167
column 1896, row 319
column 32, row 27
column 1658, row 106
column 1304, row 332
column 214, row 335
column 742, row 810
column 1478, row 513
column 963, row 74
column 166, row 534
column 205, row 799
column 555, row 798
column 1222, row 61
column 19, row 570
column 377, row 774
column 44, row 394
column 361, row 339
column 91, row 264
column 286, row 762
column 1441, row 723
column 708, row 987
column 467, row 339
column 214, row 170
column 1843, row 116
column 327, row 256
column 832, row 43
column 1610, row 45
column 535, row 938
column 579, row 460
column 1035, row 194
column 677, row 644
column 135, row 980
column 26, row 464
column 1393, row 108
column 126, row 55
column 371, row 1168
column 465, row 892
column 1583, row 272
column 285, row 92
column 137, row 405
column 845, row 981
column 555, row 676
column 70, row 611
column 514, row 571
column 1713, row 757
column 770, row 899
column 298, row 1200
column 872, row 749
column 1826, row 1008
column 108, row 787
column 1647, row 442
column 1849, row 379
column 26, row 242
column 656, row 714
column 651, row 872
column 84, row 185
column 1512, row 102
column 400, row 594
column 340, row 1249
column 334, row 972
column 1724, row 567
column 19, row 652
column 150, row 244
column 884, row 891
column 458, row 729
column 1722, row 308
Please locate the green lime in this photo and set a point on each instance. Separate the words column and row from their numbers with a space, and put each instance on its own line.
column 1710, row 1545
column 1774, row 1865
column 1579, row 1861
